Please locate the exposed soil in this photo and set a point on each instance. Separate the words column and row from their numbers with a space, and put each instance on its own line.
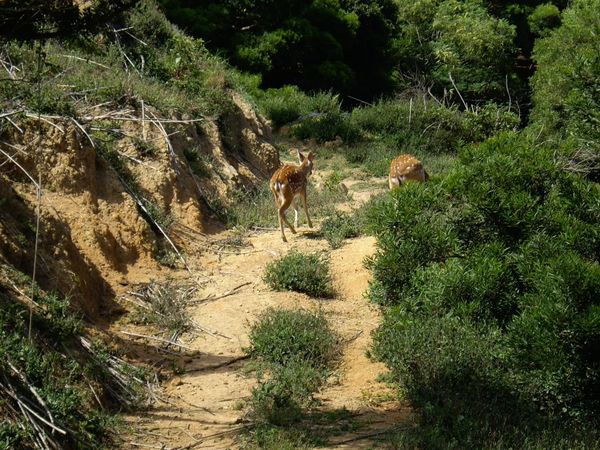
column 202, row 405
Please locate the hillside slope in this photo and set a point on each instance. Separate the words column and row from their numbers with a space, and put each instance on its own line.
column 123, row 165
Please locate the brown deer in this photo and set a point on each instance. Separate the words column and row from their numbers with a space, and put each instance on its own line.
column 286, row 183
column 406, row 167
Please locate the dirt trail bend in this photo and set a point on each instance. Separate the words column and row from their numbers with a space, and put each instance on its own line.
column 202, row 406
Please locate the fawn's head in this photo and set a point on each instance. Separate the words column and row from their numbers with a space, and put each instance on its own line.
column 306, row 161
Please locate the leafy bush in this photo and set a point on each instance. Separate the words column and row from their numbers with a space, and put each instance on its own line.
column 45, row 360
column 173, row 73
column 281, row 399
column 287, row 104
column 312, row 44
column 543, row 19
column 492, row 272
column 298, row 348
column 280, row 336
column 442, row 37
column 300, row 272
column 340, row 226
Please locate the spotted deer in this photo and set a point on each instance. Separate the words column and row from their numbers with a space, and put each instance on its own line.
column 288, row 182
column 406, row 167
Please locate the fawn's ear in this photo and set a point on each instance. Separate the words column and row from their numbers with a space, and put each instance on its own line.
column 311, row 156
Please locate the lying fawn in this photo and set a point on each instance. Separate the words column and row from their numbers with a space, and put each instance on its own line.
column 286, row 183
column 404, row 168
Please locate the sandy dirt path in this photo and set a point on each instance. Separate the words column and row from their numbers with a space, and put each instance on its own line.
column 202, row 405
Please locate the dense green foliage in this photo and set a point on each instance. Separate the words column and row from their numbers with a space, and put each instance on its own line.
column 298, row 348
column 317, row 44
column 366, row 48
column 566, row 92
column 492, row 274
column 340, row 226
column 300, row 272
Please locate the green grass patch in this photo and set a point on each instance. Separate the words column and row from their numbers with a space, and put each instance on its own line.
column 340, row 226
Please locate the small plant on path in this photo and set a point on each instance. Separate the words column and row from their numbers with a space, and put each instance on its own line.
column 300, row 272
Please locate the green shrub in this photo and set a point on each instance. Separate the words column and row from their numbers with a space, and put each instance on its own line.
column 461, row 38
column 280, row 336
column 287, row 104
column 300, row 272
column 340, row 226
column 269, row 437
column 298, row 349
column 493, row 275
column 565, row 96
column 282, row 398
column 543, row 19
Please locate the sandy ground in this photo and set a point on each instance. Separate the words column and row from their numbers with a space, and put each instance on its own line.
column 202, row 406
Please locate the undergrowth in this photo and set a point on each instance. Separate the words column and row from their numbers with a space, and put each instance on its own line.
column 148, row 59
column 57, row 374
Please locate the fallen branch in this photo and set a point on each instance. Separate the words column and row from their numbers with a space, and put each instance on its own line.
column 203, row 438
column 218, row 366
column 46, row 119
column 207, row 331
column 20, row 167
column 212, row 298
column 154, row 338
column 458, row 92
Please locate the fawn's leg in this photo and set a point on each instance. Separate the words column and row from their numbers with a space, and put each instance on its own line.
column 285, row 202
column 303, row 196
column 394, row 182
column 295, row 204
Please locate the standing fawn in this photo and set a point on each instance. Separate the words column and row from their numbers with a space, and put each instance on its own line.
column 286, row 183
column 404, row 168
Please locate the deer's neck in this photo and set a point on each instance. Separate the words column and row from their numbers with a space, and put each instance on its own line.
column 303, row 169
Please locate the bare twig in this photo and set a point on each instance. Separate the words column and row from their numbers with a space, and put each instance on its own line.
column 203, row 438
column 458, row 92
column 135, row 160
column 85, row 60
column 10, row 113
column 508, row 92
column 84, row 132
column 41, row 117
column 13, row 124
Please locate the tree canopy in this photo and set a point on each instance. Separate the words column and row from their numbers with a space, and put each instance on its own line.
column 34, row 19
column 344, row 45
